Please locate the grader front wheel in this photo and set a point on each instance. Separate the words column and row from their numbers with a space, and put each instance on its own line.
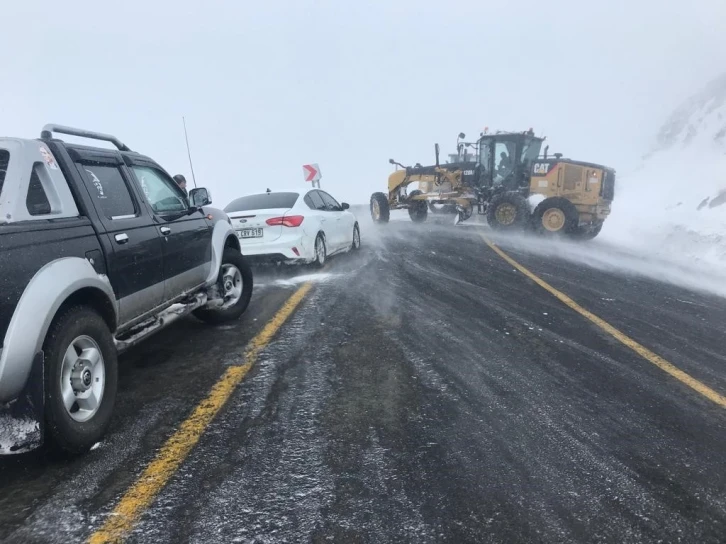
column 380, row 209
column 508, row 211
column 418, row 210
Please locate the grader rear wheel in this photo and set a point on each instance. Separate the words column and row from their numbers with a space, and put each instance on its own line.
column 582, row 234
column 555, row 216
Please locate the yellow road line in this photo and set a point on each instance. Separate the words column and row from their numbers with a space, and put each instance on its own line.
column 641, row 350
column 178, row 446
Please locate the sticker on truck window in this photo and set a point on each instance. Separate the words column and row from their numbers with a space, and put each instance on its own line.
column 96, row 183
column 48, row 158
column 145, row 188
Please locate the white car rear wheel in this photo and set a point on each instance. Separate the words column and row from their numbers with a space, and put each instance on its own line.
column 356, row 237
column 321, row 252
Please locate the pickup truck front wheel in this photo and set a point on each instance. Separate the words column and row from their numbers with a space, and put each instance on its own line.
column 234, row 287
column 81, row 377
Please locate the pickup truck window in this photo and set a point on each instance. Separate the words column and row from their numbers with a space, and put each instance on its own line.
column 162, row 193
column 109, row 191
column 37, row 201
column 4, row 160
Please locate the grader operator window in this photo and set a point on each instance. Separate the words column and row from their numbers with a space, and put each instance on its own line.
column 530, row 152
column 485, row 156
column 505, row 154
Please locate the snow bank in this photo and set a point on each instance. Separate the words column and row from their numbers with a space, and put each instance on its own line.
column 674, row 205
column 673, row 208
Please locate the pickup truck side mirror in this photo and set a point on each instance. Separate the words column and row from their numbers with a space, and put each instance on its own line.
column 200, row 197
column 344, row 205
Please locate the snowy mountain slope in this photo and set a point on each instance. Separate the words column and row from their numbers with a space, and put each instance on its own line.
column 674, row 205
column 704, row 114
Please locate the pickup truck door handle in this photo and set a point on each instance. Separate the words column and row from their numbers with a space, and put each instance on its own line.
column 121, row 238
column 165, row 231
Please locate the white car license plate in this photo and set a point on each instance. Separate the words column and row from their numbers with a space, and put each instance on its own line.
column 250, row 233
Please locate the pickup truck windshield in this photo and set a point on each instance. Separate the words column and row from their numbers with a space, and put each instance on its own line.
column 4, row 160
column 264, row 201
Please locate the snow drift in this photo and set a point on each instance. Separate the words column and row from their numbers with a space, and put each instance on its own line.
column 674, row 205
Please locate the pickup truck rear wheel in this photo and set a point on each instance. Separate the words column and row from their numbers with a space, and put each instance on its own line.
column 81, row 377
column 235, row 286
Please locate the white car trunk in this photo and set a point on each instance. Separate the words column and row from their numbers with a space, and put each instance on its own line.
column 247, row 223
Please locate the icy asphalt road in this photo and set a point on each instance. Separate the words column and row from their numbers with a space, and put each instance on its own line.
column 424, row 391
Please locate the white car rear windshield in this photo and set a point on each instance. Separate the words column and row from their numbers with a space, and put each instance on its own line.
column 4, row 160
column 264, row 201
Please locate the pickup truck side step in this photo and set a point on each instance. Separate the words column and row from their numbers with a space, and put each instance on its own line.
column 48, row 130
column 171, row 314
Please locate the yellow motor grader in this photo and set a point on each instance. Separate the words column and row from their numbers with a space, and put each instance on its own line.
column 507, row 180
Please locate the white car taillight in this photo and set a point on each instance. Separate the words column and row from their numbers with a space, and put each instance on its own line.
column 289, row 221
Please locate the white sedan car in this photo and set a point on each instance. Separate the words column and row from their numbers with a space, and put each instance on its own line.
column 307, row 226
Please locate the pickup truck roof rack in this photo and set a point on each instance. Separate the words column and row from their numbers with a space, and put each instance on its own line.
column 48, row 130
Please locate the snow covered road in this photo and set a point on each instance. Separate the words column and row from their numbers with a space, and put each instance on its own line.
column 423, row 391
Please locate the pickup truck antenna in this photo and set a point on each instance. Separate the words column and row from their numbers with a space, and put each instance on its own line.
column 188, row 151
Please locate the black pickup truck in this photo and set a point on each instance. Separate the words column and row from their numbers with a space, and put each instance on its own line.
column 99, row 248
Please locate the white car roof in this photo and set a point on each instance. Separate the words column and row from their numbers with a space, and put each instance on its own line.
column 301, row 190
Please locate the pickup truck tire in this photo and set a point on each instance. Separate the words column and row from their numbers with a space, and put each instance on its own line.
column 81, row 378
column 235, row 280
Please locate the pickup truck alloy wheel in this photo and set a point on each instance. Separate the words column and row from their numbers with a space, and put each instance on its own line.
column 83, row 378
column 232, row 285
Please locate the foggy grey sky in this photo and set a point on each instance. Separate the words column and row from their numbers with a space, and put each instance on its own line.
column 268, row 86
